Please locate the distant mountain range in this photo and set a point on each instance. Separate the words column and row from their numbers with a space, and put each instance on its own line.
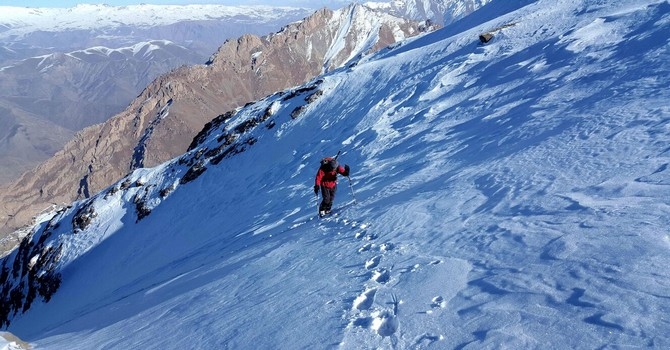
column 64, row 69
column 28, row 31
column 46, row 99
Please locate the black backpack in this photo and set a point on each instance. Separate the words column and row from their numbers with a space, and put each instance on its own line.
column 328, row 164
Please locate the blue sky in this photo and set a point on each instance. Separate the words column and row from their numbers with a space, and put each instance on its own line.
column 70, row 3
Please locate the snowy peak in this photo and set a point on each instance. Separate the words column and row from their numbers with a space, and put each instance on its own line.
column 143, row 51
column 440, row 11
column 334, row 37
column 359, row 30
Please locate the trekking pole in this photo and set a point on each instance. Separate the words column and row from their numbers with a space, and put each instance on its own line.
column 351, row 187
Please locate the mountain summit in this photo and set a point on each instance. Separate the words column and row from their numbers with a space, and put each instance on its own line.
column 510, row 194
column 439, row 11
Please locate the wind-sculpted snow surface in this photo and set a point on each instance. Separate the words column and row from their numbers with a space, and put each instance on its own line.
column 508, row 195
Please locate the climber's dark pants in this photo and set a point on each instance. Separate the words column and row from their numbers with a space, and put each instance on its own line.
column 328, row 195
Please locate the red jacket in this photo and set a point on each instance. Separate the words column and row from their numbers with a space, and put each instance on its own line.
column 328, row 179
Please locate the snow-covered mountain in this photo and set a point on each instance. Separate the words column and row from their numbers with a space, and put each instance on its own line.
column 508, row 195
column 22, row 20
column 440, row 11
column 86, row 25
column 84, row 87
column 161, row 122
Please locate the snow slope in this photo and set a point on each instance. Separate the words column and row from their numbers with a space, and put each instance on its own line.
column 511, row 195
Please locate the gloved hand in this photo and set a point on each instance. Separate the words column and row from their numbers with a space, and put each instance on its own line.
column 346, row 170
column 316, row 189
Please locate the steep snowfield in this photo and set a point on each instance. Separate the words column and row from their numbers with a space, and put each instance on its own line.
column 512, row 195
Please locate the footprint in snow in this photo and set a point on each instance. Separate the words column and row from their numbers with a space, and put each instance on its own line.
column 355, row 224
column 427, row 339
column 386, row 247
column 381, row 275
column 365, row 236
column 366, row 247
column 373, row 262
column 382, row 248
column 438, row 302
column 363, row 322
column 365, row 300
column 385, row 322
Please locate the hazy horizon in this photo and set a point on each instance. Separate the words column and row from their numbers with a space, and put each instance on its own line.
column 72, row 3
